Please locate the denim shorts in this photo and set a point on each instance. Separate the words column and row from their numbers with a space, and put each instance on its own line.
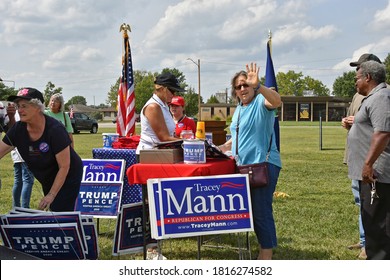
column 262, row 211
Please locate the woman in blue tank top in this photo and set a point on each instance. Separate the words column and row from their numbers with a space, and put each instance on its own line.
column 252, row 131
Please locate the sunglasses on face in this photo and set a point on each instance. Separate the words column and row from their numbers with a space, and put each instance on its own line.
column 240, row 86
column 171, row 91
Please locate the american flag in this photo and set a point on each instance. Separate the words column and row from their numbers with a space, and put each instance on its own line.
column 71, row 112
column 125, row 125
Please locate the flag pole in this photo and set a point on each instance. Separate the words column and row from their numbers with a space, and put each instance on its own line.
column 270, row 81
column 270, row 41
column 126, row 94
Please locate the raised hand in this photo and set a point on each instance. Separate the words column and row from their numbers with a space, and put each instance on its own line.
column 253, row 74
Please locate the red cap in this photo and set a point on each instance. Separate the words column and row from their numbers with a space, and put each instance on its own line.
column 178, row 101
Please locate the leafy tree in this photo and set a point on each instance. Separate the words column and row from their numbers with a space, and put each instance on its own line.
column 290, row 83
column 49, row 91
column 191, row 99
column 344, row 86
column 143, row 87
column 76, row 100
column 6, row 91
column 316, row 86
column 178, row 74
column 387, row 65
column 112, row 96
column 212, row 99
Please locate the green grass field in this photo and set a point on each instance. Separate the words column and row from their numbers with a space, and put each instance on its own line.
column 316, row 221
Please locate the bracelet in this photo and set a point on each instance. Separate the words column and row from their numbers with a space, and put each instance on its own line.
column 52, row 194
column 258, row 87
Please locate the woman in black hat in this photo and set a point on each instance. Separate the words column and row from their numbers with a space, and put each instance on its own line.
column 157, row 124
column 45, row 146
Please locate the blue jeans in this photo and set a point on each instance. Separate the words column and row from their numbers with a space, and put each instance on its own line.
column 356, row 195
column 262, row 210
column 23, row 182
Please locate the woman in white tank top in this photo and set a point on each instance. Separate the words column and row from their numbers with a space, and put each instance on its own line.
column 157, row 124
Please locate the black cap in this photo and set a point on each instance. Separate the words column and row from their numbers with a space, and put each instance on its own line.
column 27, row 94
column 169, row 80
column 365, row 57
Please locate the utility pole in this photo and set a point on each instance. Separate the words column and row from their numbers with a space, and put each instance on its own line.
column 13, row 82
column 198, row 64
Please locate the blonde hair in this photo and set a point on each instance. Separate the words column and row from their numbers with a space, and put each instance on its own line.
column 158, row 87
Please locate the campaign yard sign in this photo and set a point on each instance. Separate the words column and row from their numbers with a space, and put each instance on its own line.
column 154, row 208
column 129, row 236
column 40, row 233
column 91, row 237
column 195, row 206
column 50, row 218
column 101, row 187
column 46, row 241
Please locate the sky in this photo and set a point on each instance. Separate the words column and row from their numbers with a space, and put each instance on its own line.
column 77, row 45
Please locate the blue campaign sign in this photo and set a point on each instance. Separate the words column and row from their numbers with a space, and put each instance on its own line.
column 129, row 233
column 103, row 170
column 100, row 200
column 50, row 218
column 46, row 241
column 91, row 236
column 101, row 187
column 154, row 208
column 196, row 206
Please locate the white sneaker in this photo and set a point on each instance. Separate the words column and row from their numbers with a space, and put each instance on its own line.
column 154, row 255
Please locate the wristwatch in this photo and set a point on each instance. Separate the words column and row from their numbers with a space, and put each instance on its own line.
column 258, row 87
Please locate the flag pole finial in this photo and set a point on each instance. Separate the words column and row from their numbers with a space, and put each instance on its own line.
column 269, row 34
column 124, row 28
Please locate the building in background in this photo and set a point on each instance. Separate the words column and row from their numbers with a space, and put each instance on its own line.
column 294, row 108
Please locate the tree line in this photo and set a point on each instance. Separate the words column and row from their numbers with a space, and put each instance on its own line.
column 291, row 83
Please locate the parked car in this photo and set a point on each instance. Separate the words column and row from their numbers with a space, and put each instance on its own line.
column 81, row 121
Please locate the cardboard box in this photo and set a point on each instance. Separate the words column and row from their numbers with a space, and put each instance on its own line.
column 161, row 156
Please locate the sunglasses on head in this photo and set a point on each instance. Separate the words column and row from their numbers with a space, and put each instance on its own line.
column 240, row 86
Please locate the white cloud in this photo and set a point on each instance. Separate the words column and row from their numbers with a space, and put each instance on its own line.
column 297, row 32
column 70, row 42
column 382, row 19
column 91, row 54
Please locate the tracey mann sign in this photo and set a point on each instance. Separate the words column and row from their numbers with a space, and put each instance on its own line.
column 101, row 188
column 193, row 206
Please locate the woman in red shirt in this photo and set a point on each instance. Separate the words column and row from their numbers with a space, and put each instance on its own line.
column 182, row 121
